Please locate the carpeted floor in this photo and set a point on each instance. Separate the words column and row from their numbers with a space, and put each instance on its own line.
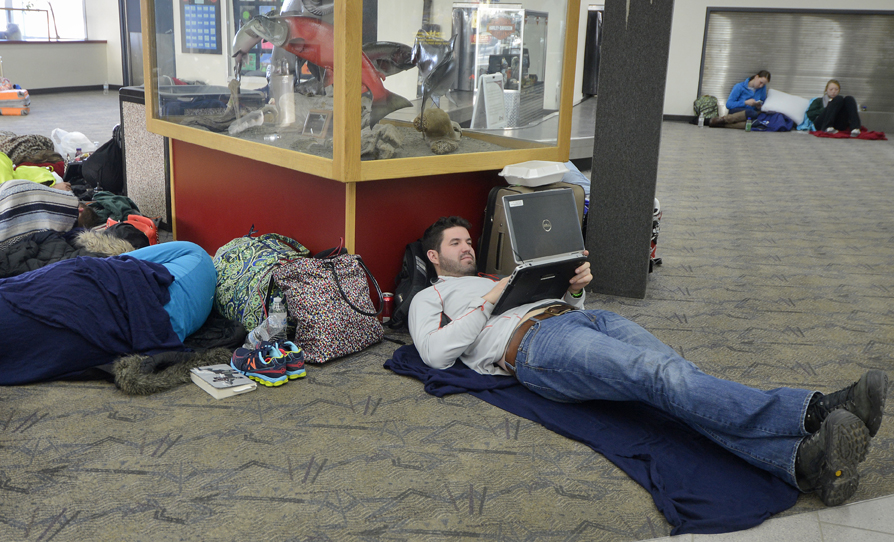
column 778, row 254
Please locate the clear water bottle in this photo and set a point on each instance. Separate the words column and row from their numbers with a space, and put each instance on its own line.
column 277, row 320
column 748, row 125
column 105, row 88
column 273, row 328
column 701, row 120
column 256, row 336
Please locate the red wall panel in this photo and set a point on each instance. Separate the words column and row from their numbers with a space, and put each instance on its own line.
column 394, row 212
column 218, row 196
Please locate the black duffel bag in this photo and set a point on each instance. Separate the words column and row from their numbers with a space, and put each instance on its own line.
column 104, row 168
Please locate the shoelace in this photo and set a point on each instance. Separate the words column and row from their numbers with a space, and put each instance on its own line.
column 820, row 409
column 269, row 359
column 833, row 401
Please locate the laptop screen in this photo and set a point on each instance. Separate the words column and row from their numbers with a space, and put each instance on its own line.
column 543, row 224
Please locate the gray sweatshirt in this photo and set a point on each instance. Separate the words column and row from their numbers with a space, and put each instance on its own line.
column 474, row 336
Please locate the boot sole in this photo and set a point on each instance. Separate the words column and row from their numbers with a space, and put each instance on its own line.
column 847, row 444
column 877, row 389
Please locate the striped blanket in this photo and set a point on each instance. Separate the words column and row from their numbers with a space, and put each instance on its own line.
column 27, row 206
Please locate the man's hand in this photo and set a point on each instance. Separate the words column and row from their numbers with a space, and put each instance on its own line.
column 750, row 101
column 581, row 278
column 494, row 294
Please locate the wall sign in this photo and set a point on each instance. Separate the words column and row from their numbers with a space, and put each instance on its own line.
column 489, row 110
column 200, row 26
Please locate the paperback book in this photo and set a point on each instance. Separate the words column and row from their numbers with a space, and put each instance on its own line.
column 221, row 380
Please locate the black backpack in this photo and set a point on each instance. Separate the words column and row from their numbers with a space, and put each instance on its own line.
column 416, row 274
column 105, row 166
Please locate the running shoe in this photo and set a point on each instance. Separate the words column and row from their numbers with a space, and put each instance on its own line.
column 294, row 359
column 265, row 364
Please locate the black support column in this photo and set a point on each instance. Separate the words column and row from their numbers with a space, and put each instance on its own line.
column 632, row 76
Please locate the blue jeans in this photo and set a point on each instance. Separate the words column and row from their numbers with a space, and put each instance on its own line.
column 594, row 354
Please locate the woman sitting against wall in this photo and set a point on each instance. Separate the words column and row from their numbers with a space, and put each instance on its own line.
column 834, row 113
column 744, row 101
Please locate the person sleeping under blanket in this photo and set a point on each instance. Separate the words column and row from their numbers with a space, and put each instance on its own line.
column 85, row 312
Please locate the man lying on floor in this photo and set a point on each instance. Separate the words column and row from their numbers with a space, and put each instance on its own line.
column 84, row 312
column 565, row 353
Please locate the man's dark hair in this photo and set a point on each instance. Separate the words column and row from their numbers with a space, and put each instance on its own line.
column 434, row 234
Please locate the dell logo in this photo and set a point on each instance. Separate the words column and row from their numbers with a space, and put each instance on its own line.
column 547, row 225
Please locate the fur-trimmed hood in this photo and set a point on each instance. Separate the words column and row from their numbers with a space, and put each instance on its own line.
column 42, row 248
column 101, row 243
column 144, row 375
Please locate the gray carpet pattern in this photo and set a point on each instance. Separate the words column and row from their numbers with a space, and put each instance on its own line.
column 778, row 270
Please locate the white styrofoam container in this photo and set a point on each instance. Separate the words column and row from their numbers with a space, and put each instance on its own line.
column 534, row 173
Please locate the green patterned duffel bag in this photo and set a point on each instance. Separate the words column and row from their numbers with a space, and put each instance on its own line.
column 244, row 274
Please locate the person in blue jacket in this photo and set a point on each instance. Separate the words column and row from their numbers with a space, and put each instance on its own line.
column 744, row 101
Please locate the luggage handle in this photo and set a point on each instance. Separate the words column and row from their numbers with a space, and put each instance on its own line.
column 328, row 263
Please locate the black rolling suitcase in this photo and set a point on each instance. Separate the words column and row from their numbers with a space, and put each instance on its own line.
column 494, row 249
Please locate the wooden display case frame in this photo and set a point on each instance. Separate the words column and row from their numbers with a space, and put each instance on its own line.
column 346, row 165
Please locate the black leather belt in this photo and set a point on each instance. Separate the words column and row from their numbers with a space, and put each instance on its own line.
column 519, row 333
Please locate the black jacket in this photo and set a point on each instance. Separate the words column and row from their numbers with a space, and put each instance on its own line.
column 37, row 250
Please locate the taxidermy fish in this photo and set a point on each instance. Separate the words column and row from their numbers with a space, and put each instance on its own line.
column 440, row 80
column 428, row 51
column 251, row 33
column 283, row 62
column 312, row 40
column 389, row 57
column 302, row 7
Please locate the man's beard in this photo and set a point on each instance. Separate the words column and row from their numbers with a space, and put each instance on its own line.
column 457, row 268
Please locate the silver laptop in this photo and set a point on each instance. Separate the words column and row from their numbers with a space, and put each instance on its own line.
column 547, row 244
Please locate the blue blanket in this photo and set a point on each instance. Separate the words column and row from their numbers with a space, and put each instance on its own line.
column 81, row 313
column 772, row 122
column 696, row 484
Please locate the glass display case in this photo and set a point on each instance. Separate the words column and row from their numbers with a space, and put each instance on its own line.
column 508, row 40
column 348, row 90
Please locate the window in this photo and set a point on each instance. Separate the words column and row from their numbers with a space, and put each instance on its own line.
column 43, row 19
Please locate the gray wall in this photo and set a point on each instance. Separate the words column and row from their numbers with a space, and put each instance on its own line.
column 802, row 49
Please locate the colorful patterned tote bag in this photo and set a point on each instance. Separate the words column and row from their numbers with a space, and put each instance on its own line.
column 328, row 296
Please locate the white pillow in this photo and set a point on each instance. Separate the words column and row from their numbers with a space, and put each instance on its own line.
column 721, row 109
column 793, row 107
